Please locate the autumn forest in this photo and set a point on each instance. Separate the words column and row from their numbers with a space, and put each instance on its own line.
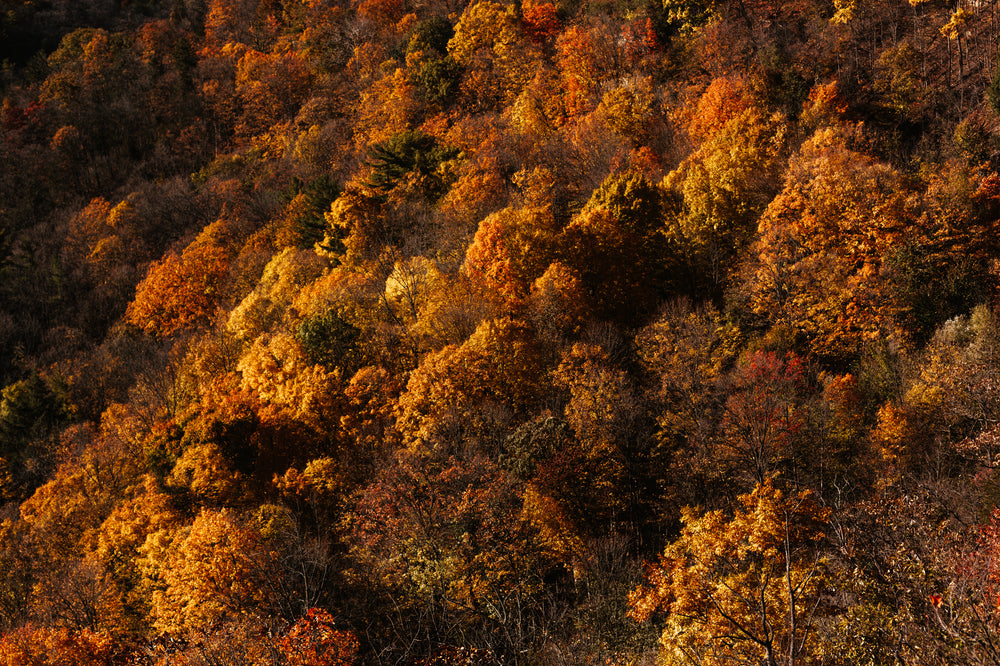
column 459, row 332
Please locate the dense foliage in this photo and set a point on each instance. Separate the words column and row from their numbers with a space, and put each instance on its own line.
column 449, row 332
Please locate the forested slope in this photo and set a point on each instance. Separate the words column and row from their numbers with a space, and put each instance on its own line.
column 426, row 332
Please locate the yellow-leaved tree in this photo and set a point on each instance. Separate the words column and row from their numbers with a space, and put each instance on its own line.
column 713, row 198
column 211, row 571
column 745, row 589
column 490, row 45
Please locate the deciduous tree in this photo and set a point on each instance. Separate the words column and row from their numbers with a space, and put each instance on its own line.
column 750, row 587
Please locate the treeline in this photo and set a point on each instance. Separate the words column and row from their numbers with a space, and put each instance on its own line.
column 468, row 333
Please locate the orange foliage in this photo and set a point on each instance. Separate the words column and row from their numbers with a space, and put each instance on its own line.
column 383, row 13
column 180, row 292
column 237, row 21
column 500, row 362
column 822, row 244
column 33, row 645
column 541, row 21
column 273, row 88
column 509, row 249
column 313, row 641
column 725, row 98
column 586, row 56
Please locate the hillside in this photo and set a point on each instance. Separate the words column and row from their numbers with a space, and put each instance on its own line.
column 434, row 332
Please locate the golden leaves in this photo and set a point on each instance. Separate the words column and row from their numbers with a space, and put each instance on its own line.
column 204, row 573
column 823, row 241
column 739, row 588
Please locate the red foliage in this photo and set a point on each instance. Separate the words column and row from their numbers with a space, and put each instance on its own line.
column 313, row 641
column 541, row 22
column 639, row 40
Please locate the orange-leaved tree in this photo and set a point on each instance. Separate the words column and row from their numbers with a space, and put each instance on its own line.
column 500, row 363
column 314, row 641
column 181, row 291
column 823, row 243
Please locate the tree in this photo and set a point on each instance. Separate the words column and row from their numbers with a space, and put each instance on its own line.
column 490, row 45
column 509, row 250
column 541, row 21
column 724, row 99
column 273, row 88
column 237, row 22
column 269, row 303
column 205, row 573
column 631, row 110
column 616, row 247
column 745, row 589
column 44, row 646
column 30, row 410
column 713, row 198
column 329, row 340
column 93, row 71
column 313, row 641
column 180, row 291
column 443, row 532
column 411, row 155
column 608, row 463
column 823, row 243
column 557, row 303
column 500, row 363
column 585, row 55
column 993, row 91
column 277, row 370
column 763, row 415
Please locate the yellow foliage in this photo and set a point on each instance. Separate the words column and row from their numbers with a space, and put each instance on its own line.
column 498, row 59
column 892, row 434
column 742, row 589
column 208, row 474
column 277, row 371
column 203, row 574
column 283, row 278
column 124, row 531
column 410, row 286
column 631, row 109
column 956, row 23
column 720, row 189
